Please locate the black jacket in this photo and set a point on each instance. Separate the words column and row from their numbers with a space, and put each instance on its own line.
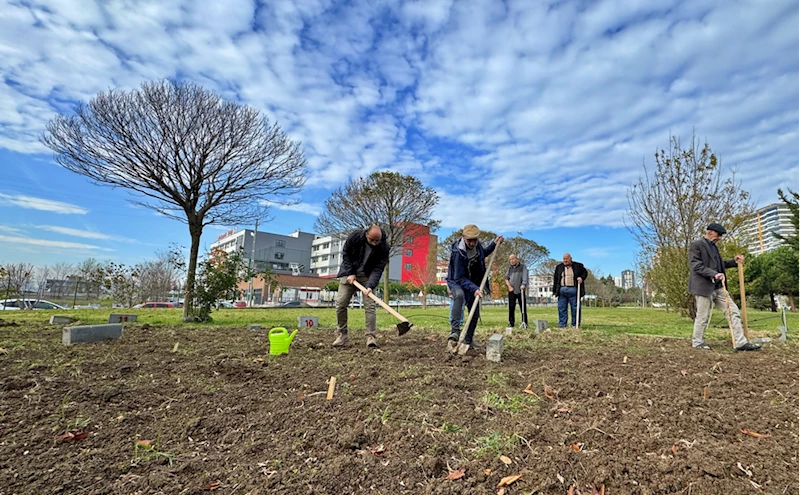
column 458, row 273
column 353, row 254
column 578, row 270
column 702, row 267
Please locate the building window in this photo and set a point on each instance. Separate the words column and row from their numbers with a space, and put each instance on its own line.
column 408, row 267
column 278, row 256
column 326, row 245
column 409, row 239
column 325, row 258
column 280, row 243
column 408, row 252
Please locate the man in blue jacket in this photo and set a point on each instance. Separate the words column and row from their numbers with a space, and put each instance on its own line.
column 364, row 256
column 464, row 275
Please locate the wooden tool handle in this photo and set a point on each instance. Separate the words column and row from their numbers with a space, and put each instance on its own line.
column 380, row 302
column 744, row 302
column 477, row 299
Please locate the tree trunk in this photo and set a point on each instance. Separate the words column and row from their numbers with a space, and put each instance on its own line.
column 386, row 283
column 772, row 306
column 195, row 231
column 791, row 303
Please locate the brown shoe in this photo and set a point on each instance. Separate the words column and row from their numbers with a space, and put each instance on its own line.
column 341, row 339
column 372, row 343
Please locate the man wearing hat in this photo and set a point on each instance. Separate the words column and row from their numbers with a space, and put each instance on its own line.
column 464, row 275
column 706, row 274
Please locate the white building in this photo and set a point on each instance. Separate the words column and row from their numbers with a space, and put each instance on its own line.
column 326, row 258
column 758, row 231
column 540, row 288
column 278, row 252
column 618, row 282
column 628, row 279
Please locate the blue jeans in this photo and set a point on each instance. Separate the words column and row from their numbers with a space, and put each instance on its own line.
column 460, row 299
column 567, row 296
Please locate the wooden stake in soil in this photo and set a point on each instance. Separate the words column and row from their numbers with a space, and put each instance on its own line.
column 706, row 393
column 331, row 387
column 743, row 309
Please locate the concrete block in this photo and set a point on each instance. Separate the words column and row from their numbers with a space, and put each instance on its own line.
column 307, row 322
column 254, row 327
column 540, row 325
column 494, row 348
column 509, row 330
column 61, row 320
column 91, row 333
column 120, row 318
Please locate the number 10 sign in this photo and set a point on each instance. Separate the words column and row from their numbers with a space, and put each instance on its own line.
column 307, row 322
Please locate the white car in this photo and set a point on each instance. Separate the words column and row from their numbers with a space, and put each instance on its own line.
column 16, row 304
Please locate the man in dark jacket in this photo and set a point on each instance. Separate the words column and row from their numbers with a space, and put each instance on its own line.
column 568, row 280
column 516, row 281
column 364, row 256
column 464, row 276
column 706, row 275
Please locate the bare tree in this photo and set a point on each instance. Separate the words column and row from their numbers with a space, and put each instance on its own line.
column 158, row 276
column 184, row 151
column 670, row 206
column 18, row 276
column 42, row 273
column 60, row 273
column 398, row 203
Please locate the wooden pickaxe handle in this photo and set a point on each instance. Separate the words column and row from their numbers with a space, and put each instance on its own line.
column 380, row 302
column 462, row 349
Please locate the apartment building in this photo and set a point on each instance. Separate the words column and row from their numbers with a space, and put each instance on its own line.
column 758, row 232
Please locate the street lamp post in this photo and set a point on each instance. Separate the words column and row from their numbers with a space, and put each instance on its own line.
column 250, row 266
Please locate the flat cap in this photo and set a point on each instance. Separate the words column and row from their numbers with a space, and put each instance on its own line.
column 719, row 229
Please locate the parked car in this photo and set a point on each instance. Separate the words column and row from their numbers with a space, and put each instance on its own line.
column 155, row 305
column 294, row 304
column 240, row 304
column 12, row 304
column 225, row 305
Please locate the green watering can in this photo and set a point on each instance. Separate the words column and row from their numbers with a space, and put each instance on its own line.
column 279, row 340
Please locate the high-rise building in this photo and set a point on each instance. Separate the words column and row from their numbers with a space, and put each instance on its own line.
column 279, row 253
column 628, row 279
column 760, row 229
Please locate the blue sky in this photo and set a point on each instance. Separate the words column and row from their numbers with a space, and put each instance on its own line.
column 524, row 116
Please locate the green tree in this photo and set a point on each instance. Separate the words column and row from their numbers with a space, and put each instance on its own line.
column 184, row 152
column 791, row 202
column 670, row 206
column 218, row 278
column 398, row 203
column 774, row 273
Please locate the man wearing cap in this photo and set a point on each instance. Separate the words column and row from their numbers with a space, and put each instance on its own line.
column 464, row 275
column 706, row 275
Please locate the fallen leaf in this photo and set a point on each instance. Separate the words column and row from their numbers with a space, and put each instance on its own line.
column 501, row 491
column 212, row 486
column 706, row 393
column 683, row 372
column 564, row 409
column 571, row 490
column 603, row 489
column 577, row 447
column 560, row 478
column 72, row 435
column 674, row 449
column 505, row 460
column 301, row 396
column 378, row 449
column 258, row 360
column 547, row 392
column 508, row 480
column 754, row 434
column 3, row 351
column 144, row 443
column 352, row 377
column 455, row 475
column 744, row 470
column 175, row 348
column 625, row 360
column 487, row 472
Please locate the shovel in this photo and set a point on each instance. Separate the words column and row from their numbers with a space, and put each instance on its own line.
column 404, row 326
column 462, row 347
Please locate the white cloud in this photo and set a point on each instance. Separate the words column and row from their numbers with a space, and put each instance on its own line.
column 83, row 233
column 50, row 244
column 10, row 230
column 523, row 114
column 310, row 209
column 42, row 204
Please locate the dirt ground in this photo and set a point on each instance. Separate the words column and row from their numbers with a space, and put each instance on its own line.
column 178, row 411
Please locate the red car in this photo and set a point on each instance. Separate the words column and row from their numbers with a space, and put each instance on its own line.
column 240, row 304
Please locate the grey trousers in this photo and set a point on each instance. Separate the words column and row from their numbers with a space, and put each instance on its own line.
column 343, row 297
column 704, row 306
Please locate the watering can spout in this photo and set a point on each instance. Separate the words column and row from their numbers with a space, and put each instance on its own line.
column 291, row 336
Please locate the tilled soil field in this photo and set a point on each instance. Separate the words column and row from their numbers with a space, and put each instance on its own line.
column 196, row 410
